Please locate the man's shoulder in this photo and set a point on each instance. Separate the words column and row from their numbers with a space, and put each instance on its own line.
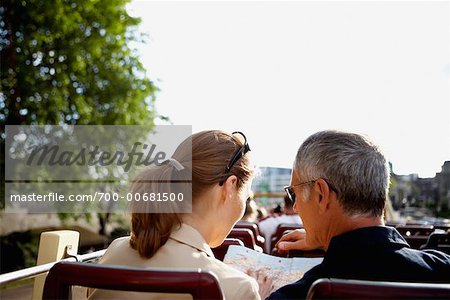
column 437, row 254
column 386, row 259
column 429, row 258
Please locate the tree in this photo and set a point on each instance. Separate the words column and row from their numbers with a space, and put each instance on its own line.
column 68, row 61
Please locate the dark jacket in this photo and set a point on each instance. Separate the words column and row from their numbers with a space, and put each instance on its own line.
column 372, row 253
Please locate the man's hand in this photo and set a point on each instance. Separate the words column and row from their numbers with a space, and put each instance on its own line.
column 294, row 240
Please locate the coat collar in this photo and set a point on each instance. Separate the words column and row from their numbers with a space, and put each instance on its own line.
column 188, row 235
column 369, row 237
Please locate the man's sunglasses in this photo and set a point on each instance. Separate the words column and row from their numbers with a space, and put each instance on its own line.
column 290, row 189
column 239, row 153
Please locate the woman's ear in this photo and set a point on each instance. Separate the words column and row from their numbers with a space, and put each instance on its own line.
column 229, row 187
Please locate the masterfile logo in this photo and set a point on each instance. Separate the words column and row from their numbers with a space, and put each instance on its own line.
column 69, row 168
column 52, row 155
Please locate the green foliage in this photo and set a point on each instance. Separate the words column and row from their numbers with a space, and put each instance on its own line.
column 19, row 250
column 444, row 214
column 67, row 61
column 392, row 184
column 71, row 62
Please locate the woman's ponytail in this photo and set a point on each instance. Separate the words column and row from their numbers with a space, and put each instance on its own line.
column 150, row 228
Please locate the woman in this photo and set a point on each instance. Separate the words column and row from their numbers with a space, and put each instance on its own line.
column 221, row 179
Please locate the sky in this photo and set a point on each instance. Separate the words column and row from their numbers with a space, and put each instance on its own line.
column 281, row 71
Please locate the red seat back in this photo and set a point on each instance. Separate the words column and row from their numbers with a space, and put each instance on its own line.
column 331, row 288
column 219, row 252
column 200, row 284
column 439, row 241
column 259, row 239
column 281, row 229
column 252, row 226
column 415, row 230
column 415, row 235
column 442, row 227
column 245, row 235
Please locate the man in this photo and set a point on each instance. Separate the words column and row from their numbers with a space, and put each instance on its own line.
column 339, row 184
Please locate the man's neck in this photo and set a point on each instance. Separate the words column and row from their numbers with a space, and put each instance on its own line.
column 345, row 224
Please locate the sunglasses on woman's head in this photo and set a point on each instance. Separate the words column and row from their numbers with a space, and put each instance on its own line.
column 239, row 153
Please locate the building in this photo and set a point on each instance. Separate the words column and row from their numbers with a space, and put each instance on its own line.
column 433, row 194
column 443, row 187
column 271, row 180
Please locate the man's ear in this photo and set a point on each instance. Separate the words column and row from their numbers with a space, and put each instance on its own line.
column 323, row 195
column 229, row 188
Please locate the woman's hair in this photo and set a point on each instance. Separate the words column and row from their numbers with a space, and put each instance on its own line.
column 211, row 151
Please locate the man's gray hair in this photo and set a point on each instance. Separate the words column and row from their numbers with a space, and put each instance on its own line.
column 352, row 164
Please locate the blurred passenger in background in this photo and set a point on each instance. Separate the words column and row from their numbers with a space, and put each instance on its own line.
column 251, row 211
column 262, row 213
column 268, row 226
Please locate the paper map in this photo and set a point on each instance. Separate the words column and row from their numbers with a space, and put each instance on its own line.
column 282, row 270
